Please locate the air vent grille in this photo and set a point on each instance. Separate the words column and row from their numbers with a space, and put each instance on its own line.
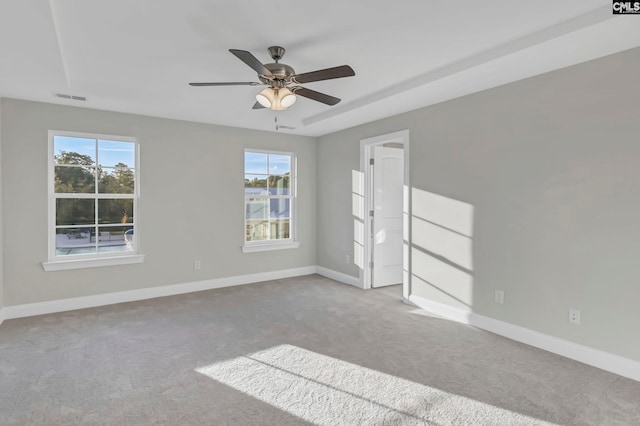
column 71, row 97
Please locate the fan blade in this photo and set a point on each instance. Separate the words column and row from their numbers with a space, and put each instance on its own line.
column 316, row 96
column 257, row 105
column 231, row 83
column 326, row 74
column 251, row 60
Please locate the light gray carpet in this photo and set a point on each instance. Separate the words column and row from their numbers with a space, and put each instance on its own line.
column 296, row 351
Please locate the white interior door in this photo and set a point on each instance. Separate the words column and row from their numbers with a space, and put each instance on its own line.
column 388, row 172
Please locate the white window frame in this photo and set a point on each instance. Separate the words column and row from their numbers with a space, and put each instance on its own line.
column 56, row 262
column 288, row 243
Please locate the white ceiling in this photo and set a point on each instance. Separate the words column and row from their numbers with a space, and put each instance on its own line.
column 138, row 56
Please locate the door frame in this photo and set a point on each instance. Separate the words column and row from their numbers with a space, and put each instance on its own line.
column 366, row 152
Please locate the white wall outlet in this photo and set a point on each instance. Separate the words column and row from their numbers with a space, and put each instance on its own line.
column 347, row 259
column 499, row 296
column 196, row 265
column 574, row 316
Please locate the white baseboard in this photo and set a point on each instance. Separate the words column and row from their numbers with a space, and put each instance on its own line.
column 594, row 357
column 604, row 360
column 61, row 305
column 338, row 276
column 48, row 307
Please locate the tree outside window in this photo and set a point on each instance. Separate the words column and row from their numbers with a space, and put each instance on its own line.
column 94, row 195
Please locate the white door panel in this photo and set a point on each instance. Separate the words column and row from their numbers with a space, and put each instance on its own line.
column 388, row 172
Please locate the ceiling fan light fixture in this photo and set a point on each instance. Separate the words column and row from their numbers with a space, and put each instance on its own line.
column 266, row 98
column 276, row 99
column 287, row 98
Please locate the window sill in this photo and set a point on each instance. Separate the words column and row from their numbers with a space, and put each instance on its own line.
column 62, row 265
column 270, row 246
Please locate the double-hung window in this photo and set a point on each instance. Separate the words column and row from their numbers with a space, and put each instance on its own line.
column 270, row 200
column 93, row 200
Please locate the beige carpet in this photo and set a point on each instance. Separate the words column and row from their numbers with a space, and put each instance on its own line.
column 296, row 351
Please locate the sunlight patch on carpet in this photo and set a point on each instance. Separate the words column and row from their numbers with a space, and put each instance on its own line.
column 328, row 391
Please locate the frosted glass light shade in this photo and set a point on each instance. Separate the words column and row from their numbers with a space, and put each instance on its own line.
column 276, row 99
column 287, row 98
column 266, row 98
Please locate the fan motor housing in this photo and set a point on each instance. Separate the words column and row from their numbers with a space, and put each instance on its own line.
column 281, row 72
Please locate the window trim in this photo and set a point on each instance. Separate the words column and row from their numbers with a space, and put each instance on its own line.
column 281, row 244
column 271, row 245
column 55, row 263
column 63, row 265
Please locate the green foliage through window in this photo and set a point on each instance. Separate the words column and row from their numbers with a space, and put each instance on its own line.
column 95, row 189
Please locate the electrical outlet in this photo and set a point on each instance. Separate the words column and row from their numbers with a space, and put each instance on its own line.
column 574, row 316
column 196, row 265
column 499, row 296
column 347, row 259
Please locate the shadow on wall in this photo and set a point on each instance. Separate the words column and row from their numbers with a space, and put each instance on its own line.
column 442, row 249
column 357, row 205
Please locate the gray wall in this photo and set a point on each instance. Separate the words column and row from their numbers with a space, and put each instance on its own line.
column 550, row 167
column 191, row 202
column 1, row 225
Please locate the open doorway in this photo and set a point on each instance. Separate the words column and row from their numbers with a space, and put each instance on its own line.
column 384, row 164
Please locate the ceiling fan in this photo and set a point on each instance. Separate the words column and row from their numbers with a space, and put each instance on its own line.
column 282, row 81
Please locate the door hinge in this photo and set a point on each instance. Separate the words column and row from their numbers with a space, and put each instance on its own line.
column 371, row 265
column 370, row 213
column 371, row 161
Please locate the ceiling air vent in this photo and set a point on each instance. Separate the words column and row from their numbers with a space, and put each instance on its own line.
column 72, row 97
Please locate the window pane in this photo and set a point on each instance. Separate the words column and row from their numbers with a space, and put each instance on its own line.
column 75, row 211
column 279, row 185
column 279, row 164
column 118, row 180
column 115, row 239
column 113, row 153
column 280, row 208
column 268, row 184
column 257, row 230
column 70, row 150
column 79, row 180
column 279, row 229
column 90, row 167
column 115, row 211
column 255, row 184
column 255, row 162
column 257, row 208
column 70, row 241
